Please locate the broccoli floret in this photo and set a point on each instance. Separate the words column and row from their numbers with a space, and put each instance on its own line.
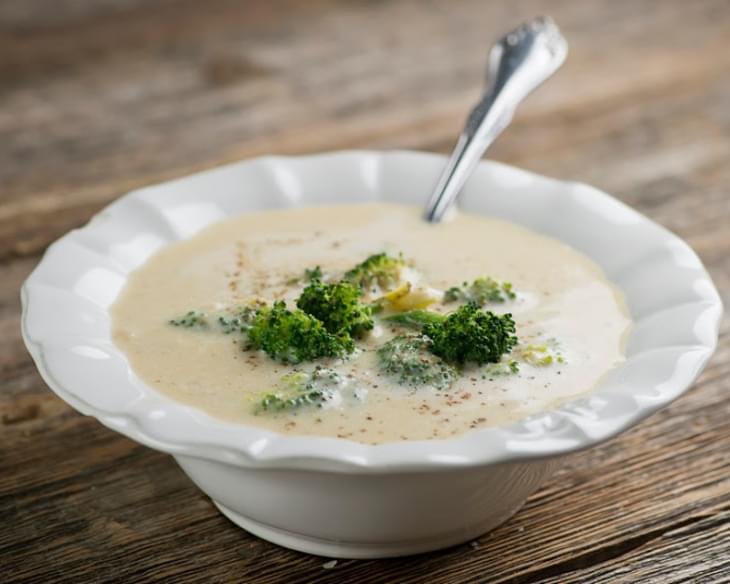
column 467, row 334
column 233, row 324
column 275, row 402
column 294, row 336
column 236, row 320
column 407, row 358
column 338, row 307
column 191, row 319
column 481, row 291
column 380, row 269
column 309, row 274
column 239, row 320
column 314, row 273
column 302, row 389
column 471, row 334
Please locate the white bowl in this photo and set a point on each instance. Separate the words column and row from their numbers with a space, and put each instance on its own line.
column 336, row 497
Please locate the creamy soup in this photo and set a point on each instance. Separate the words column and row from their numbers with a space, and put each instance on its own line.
column 570, row 322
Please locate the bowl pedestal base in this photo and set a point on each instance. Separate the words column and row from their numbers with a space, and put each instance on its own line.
column 356, row 550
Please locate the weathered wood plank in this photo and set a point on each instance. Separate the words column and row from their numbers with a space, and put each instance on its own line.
column 97, row 98
column 150, row 68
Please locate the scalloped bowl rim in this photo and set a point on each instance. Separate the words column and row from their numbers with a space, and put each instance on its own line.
column 629, row 394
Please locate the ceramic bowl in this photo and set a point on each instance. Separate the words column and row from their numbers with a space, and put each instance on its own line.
column 331, row 496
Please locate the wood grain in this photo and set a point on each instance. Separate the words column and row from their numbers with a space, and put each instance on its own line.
column 99, row 97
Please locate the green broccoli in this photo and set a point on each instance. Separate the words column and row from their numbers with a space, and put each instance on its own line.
column 236, row 320
column 416, row 318
column 337, row 306
column 467, row 334
column 302, row 389
column 314, row 273
column 407, row 358
column 276, row 402
column 481, row 291
column 380, row 269
column 240, row 320
column 191, row 319
column 470, row 334
column 310, row 274
column 294, row 336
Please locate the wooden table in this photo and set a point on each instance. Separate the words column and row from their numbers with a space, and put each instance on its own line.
column 102, row 96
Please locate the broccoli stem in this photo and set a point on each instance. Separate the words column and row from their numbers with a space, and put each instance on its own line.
column 416, row 319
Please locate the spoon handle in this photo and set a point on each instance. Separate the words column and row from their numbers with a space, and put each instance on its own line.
column 518, row 63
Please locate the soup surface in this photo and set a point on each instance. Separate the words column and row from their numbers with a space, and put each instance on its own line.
column 570, row 321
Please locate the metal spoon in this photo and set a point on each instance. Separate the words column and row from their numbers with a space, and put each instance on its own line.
column 518, row 63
